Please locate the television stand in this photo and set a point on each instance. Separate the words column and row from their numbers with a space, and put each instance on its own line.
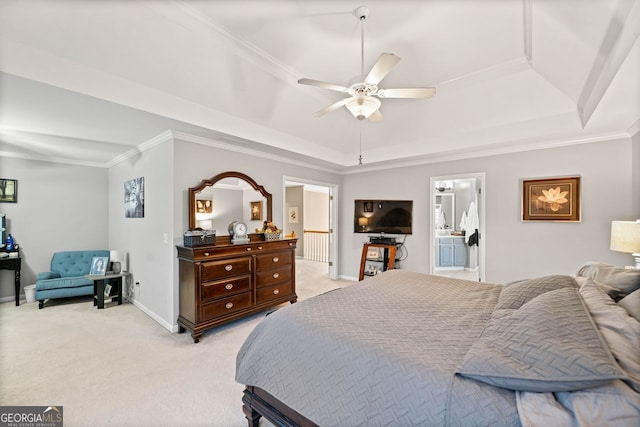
column 379, row 256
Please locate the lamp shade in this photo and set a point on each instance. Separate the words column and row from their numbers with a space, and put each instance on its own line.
column 625, row 236
column 363, row 221
column 363, row 106
column 115, row 256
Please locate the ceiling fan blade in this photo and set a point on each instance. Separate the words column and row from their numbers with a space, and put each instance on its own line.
column 376, row 116
column 384, row 64
column 331, row 107
column 324, row 85
column 416, row 92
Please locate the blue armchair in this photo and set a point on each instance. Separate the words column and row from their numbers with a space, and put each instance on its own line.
column 66, row 278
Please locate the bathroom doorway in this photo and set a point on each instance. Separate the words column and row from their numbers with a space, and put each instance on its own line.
column 458, row 226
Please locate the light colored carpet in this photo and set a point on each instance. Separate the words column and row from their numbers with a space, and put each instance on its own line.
column 118, row 367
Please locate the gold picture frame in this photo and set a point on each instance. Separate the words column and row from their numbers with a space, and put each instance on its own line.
column 551, row 199
column 204, row 206
column 256, row 211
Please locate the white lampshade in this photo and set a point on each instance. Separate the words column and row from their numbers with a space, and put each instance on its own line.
column 625, row 237
column 363, row 106
column 115, row 256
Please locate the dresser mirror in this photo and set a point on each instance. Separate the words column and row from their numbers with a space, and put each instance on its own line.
column 227, row 197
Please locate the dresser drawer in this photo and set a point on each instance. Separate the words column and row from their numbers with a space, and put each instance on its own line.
column 273, row 260
column 266, row 278
column 226, row 306
column 273, row 292
column 224, row 288
column 213, row 270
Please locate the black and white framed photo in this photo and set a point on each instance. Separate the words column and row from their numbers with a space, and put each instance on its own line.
column 134, row 198
column 107, row 290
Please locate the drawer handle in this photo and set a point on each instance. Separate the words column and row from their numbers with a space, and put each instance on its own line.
column 206, row 254
column 276, row 291
column 229, row 305
column 276, row 275
column 290, row 244
column 248, row 249
column 228, row 286
column 228, row 267
column 259, row 247
column 276, row 259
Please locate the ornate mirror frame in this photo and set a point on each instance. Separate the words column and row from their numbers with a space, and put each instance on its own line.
column 193, row 191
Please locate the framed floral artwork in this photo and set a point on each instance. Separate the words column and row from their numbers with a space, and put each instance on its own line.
column 551, row 199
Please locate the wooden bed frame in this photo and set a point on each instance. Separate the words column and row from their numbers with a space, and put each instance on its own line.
column 258, row 403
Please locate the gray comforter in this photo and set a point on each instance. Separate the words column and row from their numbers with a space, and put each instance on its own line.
column 381, row 352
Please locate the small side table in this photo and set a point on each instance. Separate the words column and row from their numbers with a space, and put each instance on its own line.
column 13, row 263
column 99, row 284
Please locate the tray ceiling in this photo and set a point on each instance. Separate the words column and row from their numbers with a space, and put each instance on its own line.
column 95, row 82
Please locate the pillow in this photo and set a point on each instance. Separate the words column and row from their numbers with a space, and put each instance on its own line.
column 515, row 294
column 631, row 303
column 619, row 330
column 624, row 279
column 550, row 344
column 613, row 293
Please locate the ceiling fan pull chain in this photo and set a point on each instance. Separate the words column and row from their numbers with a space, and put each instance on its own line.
column 362, row 18
column 360, row 156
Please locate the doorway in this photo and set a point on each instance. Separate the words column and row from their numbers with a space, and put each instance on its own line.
column 457, row 226
column 310, row 215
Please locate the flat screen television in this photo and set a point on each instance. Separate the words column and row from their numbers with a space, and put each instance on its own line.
column 383, row 216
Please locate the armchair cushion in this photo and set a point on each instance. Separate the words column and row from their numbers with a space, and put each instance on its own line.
column 47, row 275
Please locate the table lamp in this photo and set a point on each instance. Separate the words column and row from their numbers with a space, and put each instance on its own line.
column 625, row 237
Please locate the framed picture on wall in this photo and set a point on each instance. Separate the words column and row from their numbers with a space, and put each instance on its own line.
column 256, row 211
column 134, row 198
column 8, row 190
column 551, row 199
column 293, row 215
column 204, row 206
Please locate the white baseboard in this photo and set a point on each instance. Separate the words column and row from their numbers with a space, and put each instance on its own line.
column 162, row 322
column 351, row 278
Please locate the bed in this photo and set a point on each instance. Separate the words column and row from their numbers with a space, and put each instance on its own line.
column 406, row 348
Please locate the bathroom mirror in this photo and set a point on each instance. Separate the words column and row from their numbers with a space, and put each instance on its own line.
column 445, row 211
column 227, row 197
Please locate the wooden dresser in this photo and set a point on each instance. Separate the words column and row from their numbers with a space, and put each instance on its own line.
column 226, row 282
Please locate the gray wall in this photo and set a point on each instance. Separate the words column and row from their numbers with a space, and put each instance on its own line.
column 148, row 240
column 73, row 207
column 513, row 249
column 60, row 207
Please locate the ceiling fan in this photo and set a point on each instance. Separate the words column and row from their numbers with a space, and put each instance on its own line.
column 363, row 102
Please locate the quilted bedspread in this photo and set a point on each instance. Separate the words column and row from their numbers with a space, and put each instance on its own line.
column 380, row 352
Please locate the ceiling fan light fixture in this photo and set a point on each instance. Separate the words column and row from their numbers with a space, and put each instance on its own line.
column 363, row 106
